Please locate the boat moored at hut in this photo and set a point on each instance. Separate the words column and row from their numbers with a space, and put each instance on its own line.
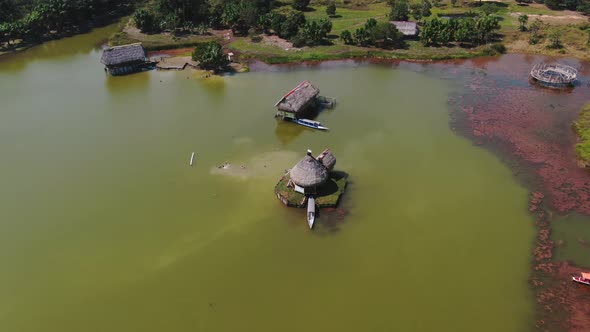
column 312, row 183
column 125, row 59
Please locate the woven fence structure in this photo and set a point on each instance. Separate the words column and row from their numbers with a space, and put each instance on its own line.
column 554, row 75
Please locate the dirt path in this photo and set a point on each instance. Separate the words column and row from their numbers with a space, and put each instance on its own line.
column 568, row 17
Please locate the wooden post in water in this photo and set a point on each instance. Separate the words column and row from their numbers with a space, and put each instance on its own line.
column 192, row 159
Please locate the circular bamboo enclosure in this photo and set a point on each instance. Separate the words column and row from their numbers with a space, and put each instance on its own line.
column 554, row 75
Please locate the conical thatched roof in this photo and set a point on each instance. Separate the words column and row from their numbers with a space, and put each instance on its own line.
column 118, row 55
column 309, row 172
column 328, row 159
column 299, row 98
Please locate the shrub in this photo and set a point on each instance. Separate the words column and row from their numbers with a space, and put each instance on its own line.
column 210, row 55
column 552, row 4
column 145, row 20
column 300, row 4
column 399, row 10
column 299, row 40
column 522, row 20
column 498, row 48
column 489, row 8
column 314, row 31
column 555, row 39
column 289, row 25
column 346, row 37
column 331, row 9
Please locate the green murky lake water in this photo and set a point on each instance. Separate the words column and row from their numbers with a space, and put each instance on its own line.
column 105, row 227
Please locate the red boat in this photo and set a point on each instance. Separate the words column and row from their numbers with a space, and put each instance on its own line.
column 584, row 278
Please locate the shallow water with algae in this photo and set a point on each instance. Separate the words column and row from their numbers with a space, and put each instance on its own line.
column 105, row 227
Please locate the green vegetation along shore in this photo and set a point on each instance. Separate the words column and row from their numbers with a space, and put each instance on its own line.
column 582, row 129
column 24, row 23
column 299, row 30
column 276, row 32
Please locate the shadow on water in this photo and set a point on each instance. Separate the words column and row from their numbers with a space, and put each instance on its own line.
column 215, row 86
column 60, row 48
column 287, row 132
column 330, row 220
column 122, row 85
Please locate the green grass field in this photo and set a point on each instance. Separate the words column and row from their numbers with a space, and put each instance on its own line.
column 350, row 19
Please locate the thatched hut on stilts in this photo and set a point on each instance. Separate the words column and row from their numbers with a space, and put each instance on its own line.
column 312, row 177
column 125, row 59
column 296, row 102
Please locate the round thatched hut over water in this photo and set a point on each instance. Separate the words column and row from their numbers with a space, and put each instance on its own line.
column 308, row 174
column 312, row 177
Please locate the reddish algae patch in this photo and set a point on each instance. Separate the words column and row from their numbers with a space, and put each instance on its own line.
column 531, row 127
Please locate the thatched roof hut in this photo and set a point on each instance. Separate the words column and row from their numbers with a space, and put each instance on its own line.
column 408, row 28
column 327, row 159
column 298, row 99
column 123, row 55
column 309, row 172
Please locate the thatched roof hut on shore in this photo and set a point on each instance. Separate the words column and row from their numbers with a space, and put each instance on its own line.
column 407, row 28
column 124, row 59
column 299, row 99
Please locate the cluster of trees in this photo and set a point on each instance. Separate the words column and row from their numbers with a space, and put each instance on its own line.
column 285, row 24
column 579, row 5
column 210, row 56
column 242, row 16
column 466, row 30
column 313, row 32
column 401, row 9
column 30, row 20
column 380, row 34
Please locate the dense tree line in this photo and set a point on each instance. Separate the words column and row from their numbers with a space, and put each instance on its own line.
column 579, row 5
column 466, row 30
column 241, row 16
column 33, row 19
column 373, row 33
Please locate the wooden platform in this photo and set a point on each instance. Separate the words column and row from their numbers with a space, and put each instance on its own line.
column 328, row 196
column 176, row 63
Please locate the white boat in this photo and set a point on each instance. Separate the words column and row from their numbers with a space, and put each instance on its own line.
column 310, row 211
column 310, row 124
column 583, row 278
